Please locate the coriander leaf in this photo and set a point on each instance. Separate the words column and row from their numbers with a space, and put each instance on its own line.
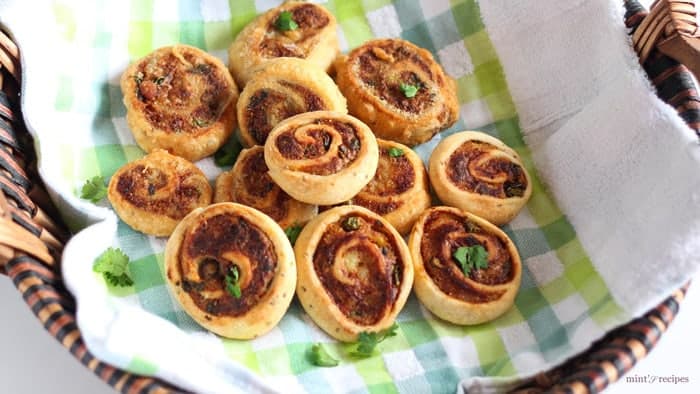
column 200, row 122
column 293, row 232
column 351, row 223
column 471, row 257
column 409, row 90
column 395, row 152
column 94, row 189
column 285, row 22
column 232, row 285
column 368, row 341
column 320, row 357
column 113, row 264
column 228, row 153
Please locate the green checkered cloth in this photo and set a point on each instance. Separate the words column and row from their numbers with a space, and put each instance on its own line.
column 563, row 303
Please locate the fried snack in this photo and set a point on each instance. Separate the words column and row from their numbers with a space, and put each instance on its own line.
column 321, row 158
column 399, row 191
column 154, row 193
column 478, row 173
column 248, row 183
column 294, row 29
column 232, row 270
column 355, row 272
column 281, row 89
column 181, row 99
column 440, row 282
column 398, row 89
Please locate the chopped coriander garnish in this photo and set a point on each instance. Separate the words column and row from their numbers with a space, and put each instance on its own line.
column 231, row 279
column 395, row 152
column 368, row 341
column 228, row 153
column 138, row 77
column 159, row 80
column 351, row 223
column 471, row 257
column 285, row 22
column 409, row 90
column 94, row 189
column 320, row 357
column 200, row 122
column 113, row 265
column 293, row 232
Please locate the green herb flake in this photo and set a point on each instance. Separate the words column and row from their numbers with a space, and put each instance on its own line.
column 409, row 90
column 320, row 357
column 200, row 122
column 285, row 22
column 293, row 232
column 232, row 285
column 228, row 153
column 113, row 264
column 395, row 152
column 471, row 258
column 159, row 80
column 94, row 189
column 352, row 223
column 368, row 341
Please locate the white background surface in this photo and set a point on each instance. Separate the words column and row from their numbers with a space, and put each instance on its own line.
column 31, row 361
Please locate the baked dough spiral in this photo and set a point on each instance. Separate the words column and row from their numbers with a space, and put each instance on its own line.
column 399, row 191
column 322, row 157
column 281, row 89
column 355, row 272
column 248, row 183
column 398, row 89
column 440, row 283
column 205, row 250
column 181, row 99
column 478, row 173
column 154, row 193
column 315, row 39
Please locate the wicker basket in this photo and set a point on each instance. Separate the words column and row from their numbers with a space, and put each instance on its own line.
column 32, row 238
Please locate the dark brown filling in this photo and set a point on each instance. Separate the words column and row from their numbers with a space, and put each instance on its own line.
column 257, row 185
column 496, row 177
column 268, row 107
column 371, row 263
column 294, row 149
column 204, row 249
column 443, row 234
column 395, row 175
column 139, row 184
column 310, row 19
column 178, row 98
column 379, row 69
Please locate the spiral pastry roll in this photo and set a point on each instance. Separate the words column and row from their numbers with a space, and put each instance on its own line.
column 355, row 272
column 281, row 89
column 399, row 191
column 232, row 270
column 294, row 29
column 248, row 183
column 398, row 89
column 323, row 157
column 181, row 99
column 443, row 236
column 478, row 173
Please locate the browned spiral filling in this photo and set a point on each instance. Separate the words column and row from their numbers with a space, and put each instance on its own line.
column 395, row 175
column 257, row 189
column 267, row 107
column 316, row 140
column 471, row 167
column 310, row 19
column 209, row 252
column 443, row 234
column 359, row 265
column 181, row 94
column 151, row 189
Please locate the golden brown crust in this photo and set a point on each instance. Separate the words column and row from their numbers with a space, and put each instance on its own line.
column 371, row 77
column 355, row 272
column 248, row 183
column 315, row 39
column 321, row 157
column 154, row 193
column 180, row 99
column 280, row 89
column 199, row 259
column 440, row 283
column 399, row 191
column 478, row 173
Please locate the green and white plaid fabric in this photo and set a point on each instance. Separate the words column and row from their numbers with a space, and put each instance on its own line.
column 563, row 303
